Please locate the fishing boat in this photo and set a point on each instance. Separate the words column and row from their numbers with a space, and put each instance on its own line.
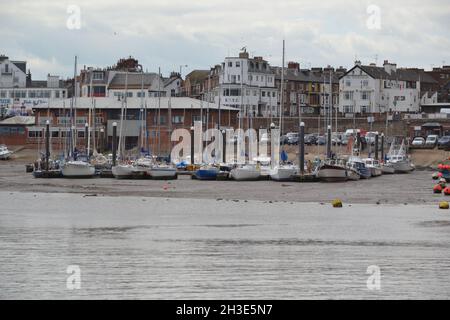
column 5, row 154
column 374, row 166
column 352, row 172
column 77, row 169
column 207, row 172
column 399, row 159
column 332, row 170
column 401, row 164
column 357, row 163
column 247, row 172
column 387, row 168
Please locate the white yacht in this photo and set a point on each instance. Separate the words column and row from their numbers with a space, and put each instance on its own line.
column 246, row 172
column 77, row 169
column 283, row 172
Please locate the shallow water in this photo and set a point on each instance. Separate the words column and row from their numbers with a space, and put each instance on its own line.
column 160, row 248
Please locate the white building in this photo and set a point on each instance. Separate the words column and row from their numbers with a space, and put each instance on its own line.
column 247, row 84
column 18, row 93
column 370, row 89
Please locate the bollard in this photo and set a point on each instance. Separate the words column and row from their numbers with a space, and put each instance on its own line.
column 382, row 147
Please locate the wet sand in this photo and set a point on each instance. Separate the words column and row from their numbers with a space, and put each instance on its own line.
column 414, row 188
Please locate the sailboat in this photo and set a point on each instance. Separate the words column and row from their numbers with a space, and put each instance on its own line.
column 73, row 167
column 162, row 171
column 246, row 172
column 280, row 171
column 123, row 170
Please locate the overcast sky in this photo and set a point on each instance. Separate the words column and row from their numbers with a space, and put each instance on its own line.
column 200, row 33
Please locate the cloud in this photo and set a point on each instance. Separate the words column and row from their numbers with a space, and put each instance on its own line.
column 201, row 33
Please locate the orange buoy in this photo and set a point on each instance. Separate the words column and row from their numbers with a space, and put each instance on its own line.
column 447, row 191
column 437, row 188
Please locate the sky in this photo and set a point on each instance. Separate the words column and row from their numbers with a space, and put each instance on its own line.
column 201, row 33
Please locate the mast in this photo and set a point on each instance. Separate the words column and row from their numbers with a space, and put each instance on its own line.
column 282, row 93
column 159, row 111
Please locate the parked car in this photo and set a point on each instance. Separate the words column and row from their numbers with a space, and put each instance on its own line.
column 444, row 142
column 310, row 139
column 335, row 139
column 431, row 141
column 418, row 142
column 292, row 138
column 283, row 139
column 344, row 140
column 370, row 137
column 321, row 140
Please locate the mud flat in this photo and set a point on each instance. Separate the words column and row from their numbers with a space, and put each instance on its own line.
column 388, row 189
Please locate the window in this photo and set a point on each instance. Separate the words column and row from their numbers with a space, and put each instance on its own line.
column 230, row 64
column 55, row 134
column 6, row 68
column 238, row 64
column 263, row 93
column 3, row 94
column 348, row 95
column 141, row 94
column 80, row 133
column 364, row 95
column 273, row 94
column 365, row 83
column 162, row 119
column 363, row 109
column 35, row 134
column 177, row 119
column 348, row 109
column 57, row 94
column 97, row 76
column 348, row 83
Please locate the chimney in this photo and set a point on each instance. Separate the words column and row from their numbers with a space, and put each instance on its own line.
column 357, row 63
column 294, row 65
column 389, row 67
column 243, row 55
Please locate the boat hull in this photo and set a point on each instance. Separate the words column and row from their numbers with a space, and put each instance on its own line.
column 387, row 169
column 353, row 175
column 77, row 169
column 242, row 174
column 122, row 171
column 402, row 167
column 206, row 174
column 375, row 172
column 330, row 173
column 282, row 174
column 162, row 173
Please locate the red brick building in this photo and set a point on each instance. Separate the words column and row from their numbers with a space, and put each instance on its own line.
column 174, row 113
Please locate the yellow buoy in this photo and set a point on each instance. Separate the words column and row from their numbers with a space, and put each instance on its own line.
column 337, row 203
column 443, row 205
